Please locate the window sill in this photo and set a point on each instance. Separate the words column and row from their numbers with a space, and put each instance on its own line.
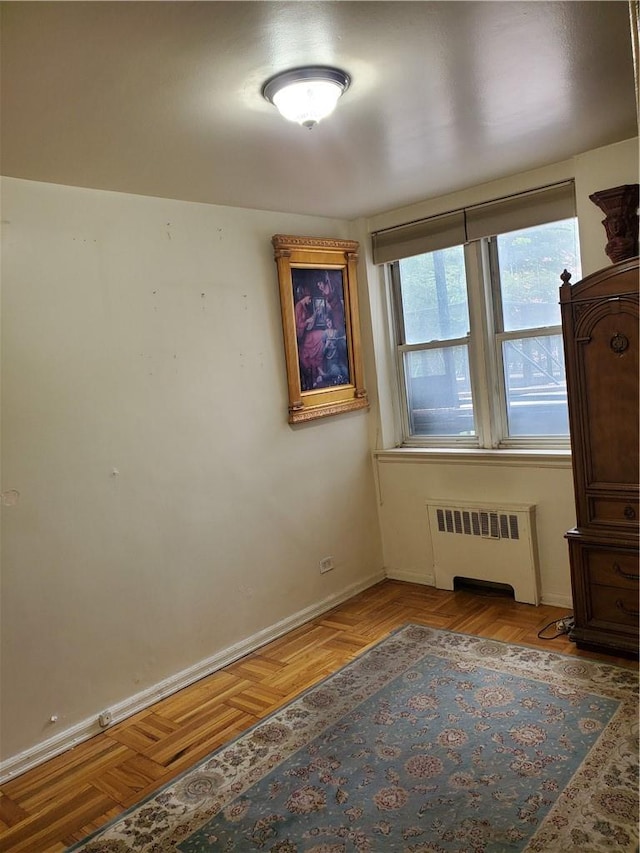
column 513, row 458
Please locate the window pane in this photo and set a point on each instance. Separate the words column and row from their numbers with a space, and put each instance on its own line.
column 439, row 391
column 531, row 261
column 536, row 386
column 433, row 288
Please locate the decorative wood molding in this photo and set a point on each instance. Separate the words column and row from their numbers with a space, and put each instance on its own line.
column 587, row 314
column 321, row 327
column 600, row 332
column 620, row 206
column 311, row 244
column 300, row 414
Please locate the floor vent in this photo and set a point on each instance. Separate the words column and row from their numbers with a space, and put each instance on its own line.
column 490, row 543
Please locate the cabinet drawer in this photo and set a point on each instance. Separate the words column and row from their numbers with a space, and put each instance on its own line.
column 614, row 511
column 615, row 606
column 613, row 568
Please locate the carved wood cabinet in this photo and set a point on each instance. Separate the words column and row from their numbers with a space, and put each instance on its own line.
column 600, row 329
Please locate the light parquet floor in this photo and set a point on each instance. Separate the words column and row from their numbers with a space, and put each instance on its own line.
column 48, row 808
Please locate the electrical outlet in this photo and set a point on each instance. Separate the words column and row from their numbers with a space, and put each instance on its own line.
column 105, row 719
column 326, row 564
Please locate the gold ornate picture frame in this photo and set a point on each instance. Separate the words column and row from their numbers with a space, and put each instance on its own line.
column 319, row 301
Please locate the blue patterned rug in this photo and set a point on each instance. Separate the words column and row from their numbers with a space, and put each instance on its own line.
column 430, row 742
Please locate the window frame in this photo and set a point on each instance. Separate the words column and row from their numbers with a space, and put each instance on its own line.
column 499, row 337
column 486, row 364
column 402, row 348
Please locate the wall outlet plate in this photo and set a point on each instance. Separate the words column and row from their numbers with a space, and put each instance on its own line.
column 105, row 719
column 326, row 564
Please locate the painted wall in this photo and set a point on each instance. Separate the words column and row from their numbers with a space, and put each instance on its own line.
column 406, row 484
column 167, row 513
column 601, row 169
column 166, row 509
column 405, row 479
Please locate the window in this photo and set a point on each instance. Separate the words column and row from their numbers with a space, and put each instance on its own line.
column 478, row 337
column 526, row 267
column 434, row 348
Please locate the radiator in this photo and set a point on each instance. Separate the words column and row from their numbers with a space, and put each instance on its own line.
column 487, row 542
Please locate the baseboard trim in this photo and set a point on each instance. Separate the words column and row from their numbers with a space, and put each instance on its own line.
column 552, row 599
column 411, row 577
column 88, row 728
column 557, row 600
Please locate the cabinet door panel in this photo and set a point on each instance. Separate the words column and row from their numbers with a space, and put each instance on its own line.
column 610, row 398
column 600, row 325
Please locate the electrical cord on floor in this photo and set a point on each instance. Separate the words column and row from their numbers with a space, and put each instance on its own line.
column 562, row 626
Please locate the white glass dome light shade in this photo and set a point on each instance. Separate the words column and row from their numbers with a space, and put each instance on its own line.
column 308, row 101
column 306, row 95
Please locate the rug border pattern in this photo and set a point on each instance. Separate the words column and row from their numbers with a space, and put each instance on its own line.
column 256, row 756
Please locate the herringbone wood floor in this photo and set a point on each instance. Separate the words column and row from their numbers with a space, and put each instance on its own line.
column 50, row 807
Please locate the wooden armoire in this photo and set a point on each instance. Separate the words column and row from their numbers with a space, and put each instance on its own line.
column 600, row 329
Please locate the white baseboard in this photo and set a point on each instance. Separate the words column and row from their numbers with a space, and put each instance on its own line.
column 88, row 728
column 557, row 600
column 411, row 577
column 553, row 599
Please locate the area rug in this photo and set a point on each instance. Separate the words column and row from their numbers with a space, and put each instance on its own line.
column 429, row 742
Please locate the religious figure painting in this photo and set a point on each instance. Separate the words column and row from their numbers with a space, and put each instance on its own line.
column 319, row 304
column 321, row 334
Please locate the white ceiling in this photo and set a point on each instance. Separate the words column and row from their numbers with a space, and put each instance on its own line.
column 163, row 98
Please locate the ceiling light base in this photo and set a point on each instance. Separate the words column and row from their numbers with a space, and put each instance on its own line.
column 306, row 95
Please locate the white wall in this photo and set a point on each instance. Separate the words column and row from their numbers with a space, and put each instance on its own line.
column 406, row 480
column 406, row 484
column 167, row 511
column 143, row 336
column 601, row 169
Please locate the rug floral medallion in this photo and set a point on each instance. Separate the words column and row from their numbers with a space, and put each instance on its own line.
column 429, row 742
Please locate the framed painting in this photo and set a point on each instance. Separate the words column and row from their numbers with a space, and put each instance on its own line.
column 319, row 301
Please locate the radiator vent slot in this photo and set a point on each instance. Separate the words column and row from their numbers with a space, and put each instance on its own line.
column 489, row 543
column 490, row 525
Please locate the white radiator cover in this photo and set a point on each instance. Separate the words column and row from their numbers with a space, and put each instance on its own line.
column 487, row 542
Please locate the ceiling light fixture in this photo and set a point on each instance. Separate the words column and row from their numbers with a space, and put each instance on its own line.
column 306, row 95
